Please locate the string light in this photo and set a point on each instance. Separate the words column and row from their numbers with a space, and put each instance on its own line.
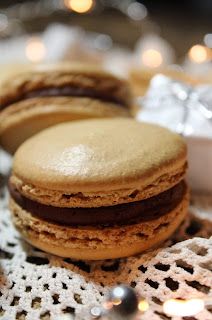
column 35, row 50
column 198, row 54
column 152, row 58
column 79, row 6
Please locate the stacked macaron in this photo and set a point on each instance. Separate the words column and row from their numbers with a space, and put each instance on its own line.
column 99, row 189
column 47, row 95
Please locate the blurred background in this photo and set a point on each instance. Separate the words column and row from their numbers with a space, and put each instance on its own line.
column 133, row 38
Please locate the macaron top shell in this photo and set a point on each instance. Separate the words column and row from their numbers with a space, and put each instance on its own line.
column 83, row 80
column 99, row 155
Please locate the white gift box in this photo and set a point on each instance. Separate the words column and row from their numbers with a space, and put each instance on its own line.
column 188, row 111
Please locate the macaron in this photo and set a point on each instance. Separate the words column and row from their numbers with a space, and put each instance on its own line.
column 99, row 189
column 50, row 94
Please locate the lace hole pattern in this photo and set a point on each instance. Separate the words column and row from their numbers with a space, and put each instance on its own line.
column 35, row 285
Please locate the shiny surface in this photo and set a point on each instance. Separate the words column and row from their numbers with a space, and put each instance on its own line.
column 99, row 155
column 124, row 303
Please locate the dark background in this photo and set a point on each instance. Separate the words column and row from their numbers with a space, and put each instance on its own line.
column 182, row 23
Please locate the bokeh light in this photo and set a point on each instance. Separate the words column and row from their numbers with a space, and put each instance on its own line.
column 35, row 50
column 152, row 58
column 208, row 40
column 3, row 22
column 198, row 53
column 79, row 6
column 183, row 308
column 143, row 305
column 137, row 11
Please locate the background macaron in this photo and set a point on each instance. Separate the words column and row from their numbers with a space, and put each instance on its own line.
column 99, row 189
column 51, row 94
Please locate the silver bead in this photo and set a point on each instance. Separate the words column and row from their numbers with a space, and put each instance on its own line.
column 122, row 303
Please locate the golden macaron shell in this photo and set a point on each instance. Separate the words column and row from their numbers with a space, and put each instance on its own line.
column 95, row 164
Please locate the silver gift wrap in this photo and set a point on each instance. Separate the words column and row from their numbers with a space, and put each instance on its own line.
column 186, row 110
column 178, row 106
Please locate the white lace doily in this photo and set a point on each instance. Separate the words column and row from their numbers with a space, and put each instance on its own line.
column 35, row 285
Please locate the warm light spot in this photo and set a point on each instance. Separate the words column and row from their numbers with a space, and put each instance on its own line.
column 116, row 302
column 35, row 50
column 80, row 6
column 152, row 58
column 183, row 308
column 107, row 305
column 198, row 53
column 143, row 306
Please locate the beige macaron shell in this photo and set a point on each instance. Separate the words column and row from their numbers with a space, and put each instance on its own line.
column 99, row 155
column 97, row 243
column 33, row 115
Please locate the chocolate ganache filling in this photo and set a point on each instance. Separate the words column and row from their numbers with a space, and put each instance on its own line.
column 68, row 91
column 121, row 214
